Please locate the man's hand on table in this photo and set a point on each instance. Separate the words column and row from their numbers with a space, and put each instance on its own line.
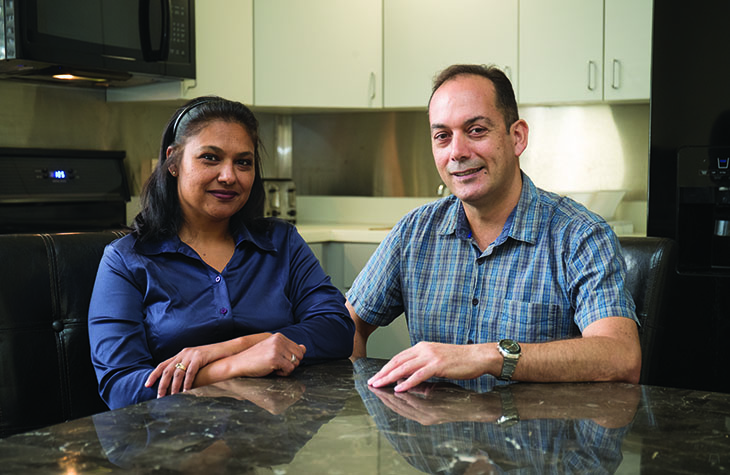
column 425, row 360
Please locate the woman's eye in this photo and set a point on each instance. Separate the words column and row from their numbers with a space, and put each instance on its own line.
column 245, row 162
column 209, row 156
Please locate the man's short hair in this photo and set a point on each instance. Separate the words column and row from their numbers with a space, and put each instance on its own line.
column 506, row 102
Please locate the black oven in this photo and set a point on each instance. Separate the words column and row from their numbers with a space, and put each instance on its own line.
column 102, row 42
column 44, row 190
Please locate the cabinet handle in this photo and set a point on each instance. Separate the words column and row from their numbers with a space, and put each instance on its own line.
column 616, row 77
column 371, row 87
column 592, row 75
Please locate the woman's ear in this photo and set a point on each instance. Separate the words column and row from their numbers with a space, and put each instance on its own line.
column 171, row 168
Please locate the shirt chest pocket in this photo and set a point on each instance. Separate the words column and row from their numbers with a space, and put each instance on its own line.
column 531, row 322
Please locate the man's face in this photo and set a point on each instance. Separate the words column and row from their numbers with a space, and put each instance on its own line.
column 476, row 156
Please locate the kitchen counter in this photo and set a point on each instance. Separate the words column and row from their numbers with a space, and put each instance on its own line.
column 362, row 233
column 325, row 419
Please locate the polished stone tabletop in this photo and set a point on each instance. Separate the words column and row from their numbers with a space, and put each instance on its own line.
column 324, row 419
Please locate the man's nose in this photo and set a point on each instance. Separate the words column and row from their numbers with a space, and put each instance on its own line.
column 459, row 147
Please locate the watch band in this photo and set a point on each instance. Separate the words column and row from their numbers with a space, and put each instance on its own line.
column 508, row 367
column 511, row 352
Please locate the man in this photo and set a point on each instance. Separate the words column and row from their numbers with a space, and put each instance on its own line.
column 501, row 279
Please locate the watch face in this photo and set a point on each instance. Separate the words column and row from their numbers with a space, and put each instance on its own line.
column 510, row 346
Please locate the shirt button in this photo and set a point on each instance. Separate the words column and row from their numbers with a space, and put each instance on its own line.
column 470, row 342
column 475, row 302
column 217, row 278
column 223, row 310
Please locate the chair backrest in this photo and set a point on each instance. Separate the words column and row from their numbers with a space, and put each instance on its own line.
column 46, row 376
column 650, row 276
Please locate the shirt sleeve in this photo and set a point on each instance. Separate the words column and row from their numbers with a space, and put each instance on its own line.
column 119, row 350
column 376, row 293
column 322, row 322
column 596, row 273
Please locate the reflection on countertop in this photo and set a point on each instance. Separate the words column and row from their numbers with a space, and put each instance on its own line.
column 326, row 419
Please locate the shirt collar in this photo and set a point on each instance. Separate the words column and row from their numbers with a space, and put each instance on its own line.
column 260, row 239
column 522, row 223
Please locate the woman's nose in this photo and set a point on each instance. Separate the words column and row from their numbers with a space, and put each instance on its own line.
column 227, row 174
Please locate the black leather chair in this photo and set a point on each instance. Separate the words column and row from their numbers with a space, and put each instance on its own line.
column 46, row 376
column 651, row 270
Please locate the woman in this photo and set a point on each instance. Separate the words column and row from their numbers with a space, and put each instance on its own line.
column 204, row 289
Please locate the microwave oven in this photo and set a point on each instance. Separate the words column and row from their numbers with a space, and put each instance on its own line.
column 97, row 42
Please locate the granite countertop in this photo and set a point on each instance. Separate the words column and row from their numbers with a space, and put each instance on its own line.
column 325, row 419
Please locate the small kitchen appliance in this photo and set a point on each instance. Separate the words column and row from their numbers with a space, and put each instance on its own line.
column 280, row 199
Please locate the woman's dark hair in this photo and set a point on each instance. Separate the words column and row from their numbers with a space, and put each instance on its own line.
column 506, row 102
column 161, row 215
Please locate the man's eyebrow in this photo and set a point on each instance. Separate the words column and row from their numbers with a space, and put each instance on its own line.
column 487, row 120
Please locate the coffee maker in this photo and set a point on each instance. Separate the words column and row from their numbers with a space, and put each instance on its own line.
column 703, row 209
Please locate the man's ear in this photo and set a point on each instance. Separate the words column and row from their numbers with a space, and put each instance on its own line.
column 519, row 131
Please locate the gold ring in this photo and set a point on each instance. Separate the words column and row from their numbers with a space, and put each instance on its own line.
column 181, row 366
column 293, row 358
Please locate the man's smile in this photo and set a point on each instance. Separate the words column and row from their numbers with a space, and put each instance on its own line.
column 470, row 171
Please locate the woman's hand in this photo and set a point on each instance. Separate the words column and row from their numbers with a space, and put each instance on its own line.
column 178, row 373
column 277, row 354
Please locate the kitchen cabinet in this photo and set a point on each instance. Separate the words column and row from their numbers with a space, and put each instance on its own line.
column 561, row 51
column 318, row 53
column 627, row 50
column 422, row 37
column 223, row 57
column 562, row 45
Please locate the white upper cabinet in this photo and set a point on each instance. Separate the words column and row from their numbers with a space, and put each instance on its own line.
column 318, row 53
column 422, row 37
column 223, row 58
column 561, row 51
column 627, row 72
column 570, row 51
column 223, row 50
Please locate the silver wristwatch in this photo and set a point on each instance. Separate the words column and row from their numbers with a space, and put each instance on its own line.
column 511, row 352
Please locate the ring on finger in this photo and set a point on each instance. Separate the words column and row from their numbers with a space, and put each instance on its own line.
column 181, row 367
column 293, row 358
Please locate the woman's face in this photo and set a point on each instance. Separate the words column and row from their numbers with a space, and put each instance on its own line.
column 215, row 173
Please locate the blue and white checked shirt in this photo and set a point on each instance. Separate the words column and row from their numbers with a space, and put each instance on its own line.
column 555, row 269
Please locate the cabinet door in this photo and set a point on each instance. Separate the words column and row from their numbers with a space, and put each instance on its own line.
column 223, row 50
column 627, row 45
column 318, row 53
column 422, row 37
column 561, row 51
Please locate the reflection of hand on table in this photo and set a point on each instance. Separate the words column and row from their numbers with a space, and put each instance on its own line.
column 610, row 405
column 273, row 395
column 431, row 404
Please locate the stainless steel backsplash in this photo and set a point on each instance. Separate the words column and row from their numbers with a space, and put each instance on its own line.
column 388, row 153
column 355, row 154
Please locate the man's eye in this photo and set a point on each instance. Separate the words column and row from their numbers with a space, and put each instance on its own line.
column 478, row 130
column 440, row 136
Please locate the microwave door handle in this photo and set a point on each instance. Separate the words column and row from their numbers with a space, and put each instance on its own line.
column 148, row 53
